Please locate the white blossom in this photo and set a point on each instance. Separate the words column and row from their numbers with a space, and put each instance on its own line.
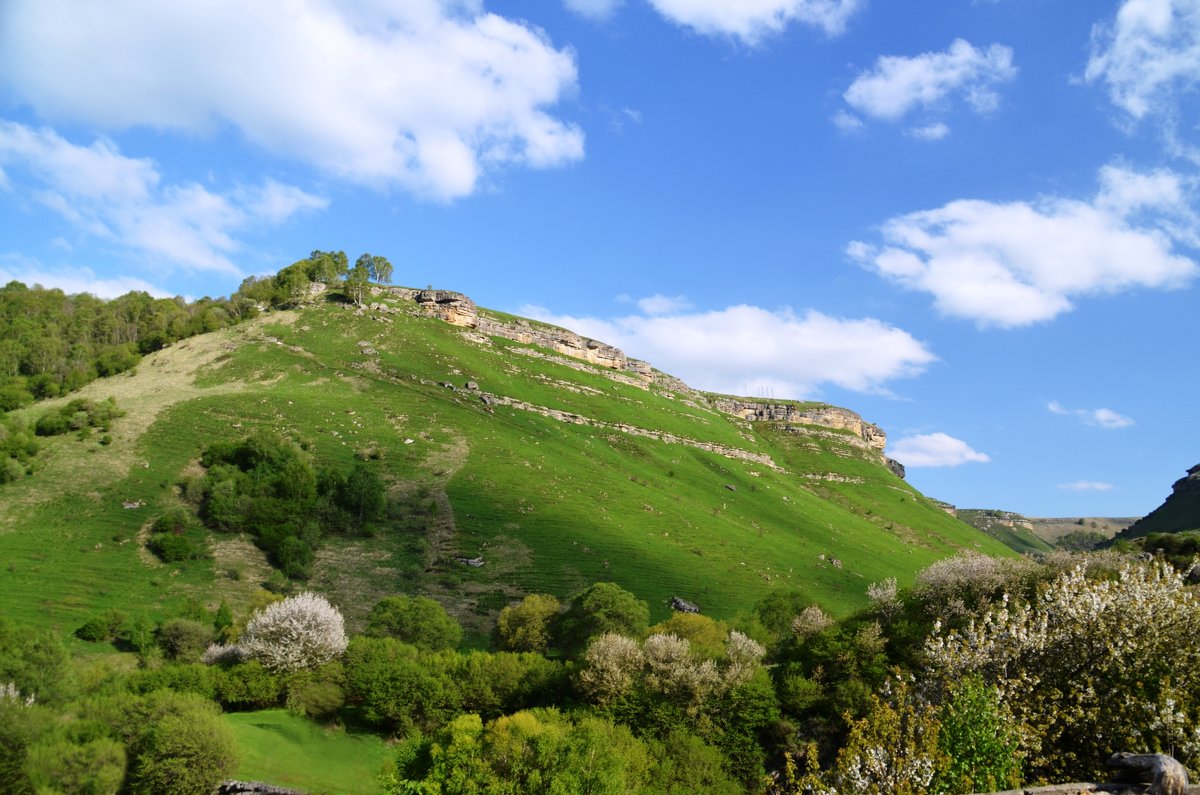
column 302, row 631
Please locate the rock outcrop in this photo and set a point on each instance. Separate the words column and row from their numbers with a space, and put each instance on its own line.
column 820, row 414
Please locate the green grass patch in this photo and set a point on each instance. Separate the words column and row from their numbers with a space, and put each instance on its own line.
column 289, row 751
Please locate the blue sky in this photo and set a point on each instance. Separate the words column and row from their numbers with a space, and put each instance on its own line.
column 976, row 223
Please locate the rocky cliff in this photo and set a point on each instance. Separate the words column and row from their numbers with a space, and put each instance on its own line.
column 459, row 310
column 1180, row 511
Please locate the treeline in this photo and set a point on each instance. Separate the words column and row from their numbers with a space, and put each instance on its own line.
column 52, row 343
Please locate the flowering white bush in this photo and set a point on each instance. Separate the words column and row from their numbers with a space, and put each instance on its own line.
column 884, row 597
column 610, row 665
column 1089, row 667
column 952, row 587
column 811, row 621
column 664, row 666
column 302, row 631
column 222, row 654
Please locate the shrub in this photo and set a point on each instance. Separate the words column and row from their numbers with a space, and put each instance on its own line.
column 302, row 631
column 416, row 620
column 171, row 548
column 527, row 626
column 184, row 640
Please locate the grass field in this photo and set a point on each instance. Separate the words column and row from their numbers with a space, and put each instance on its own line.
column 550, row 505
column 288, row 751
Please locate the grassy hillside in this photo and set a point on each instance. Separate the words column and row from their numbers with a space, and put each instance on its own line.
column 556, row 472
column 1179, row 513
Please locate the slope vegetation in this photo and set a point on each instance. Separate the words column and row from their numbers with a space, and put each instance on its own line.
column 511, row 467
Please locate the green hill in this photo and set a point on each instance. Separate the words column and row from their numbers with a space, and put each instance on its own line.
column 1178, row 513
column 552, row 460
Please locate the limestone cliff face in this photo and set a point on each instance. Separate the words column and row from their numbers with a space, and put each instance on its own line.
column 459, row 310
column 823, row 415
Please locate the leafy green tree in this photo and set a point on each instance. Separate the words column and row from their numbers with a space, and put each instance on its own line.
column 978, row 741
column 604, row 607
column 327, row 267
column 893, row 750
column 533, row 751
column 184, row 640
column 96, row 767
column 416, row 620
column 188, row 752
column 33, row 661
column 527, row 626
column 357, row 279
column 398, row 687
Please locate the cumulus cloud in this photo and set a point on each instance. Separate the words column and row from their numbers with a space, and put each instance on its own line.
column 1016, row 264
column 14, row 267
column 1101, row 417
column 1148, row 55
column 899, row 85
column 125, row 201
column 748, row 350
column 594, row 9
column 1086, row 485
column 428, row 95
column 752, row 20
column 935, row 450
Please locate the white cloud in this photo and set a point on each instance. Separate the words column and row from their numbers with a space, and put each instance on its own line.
column 594, row 9
column 748, row 350
column 123, row 200
column 898, row 85
column 847, row 122
column 1020, row 263
column 930, row 132
column 753, row 20
column 1086, row 485
column 14, row 267
column 427, row 95
column 1102, row 417
column 934, row 450
column 1148, row 55
column 664, row 304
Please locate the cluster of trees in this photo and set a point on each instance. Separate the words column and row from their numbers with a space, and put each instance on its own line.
column 330, row 269
column 985, row 674
column 271, row 488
